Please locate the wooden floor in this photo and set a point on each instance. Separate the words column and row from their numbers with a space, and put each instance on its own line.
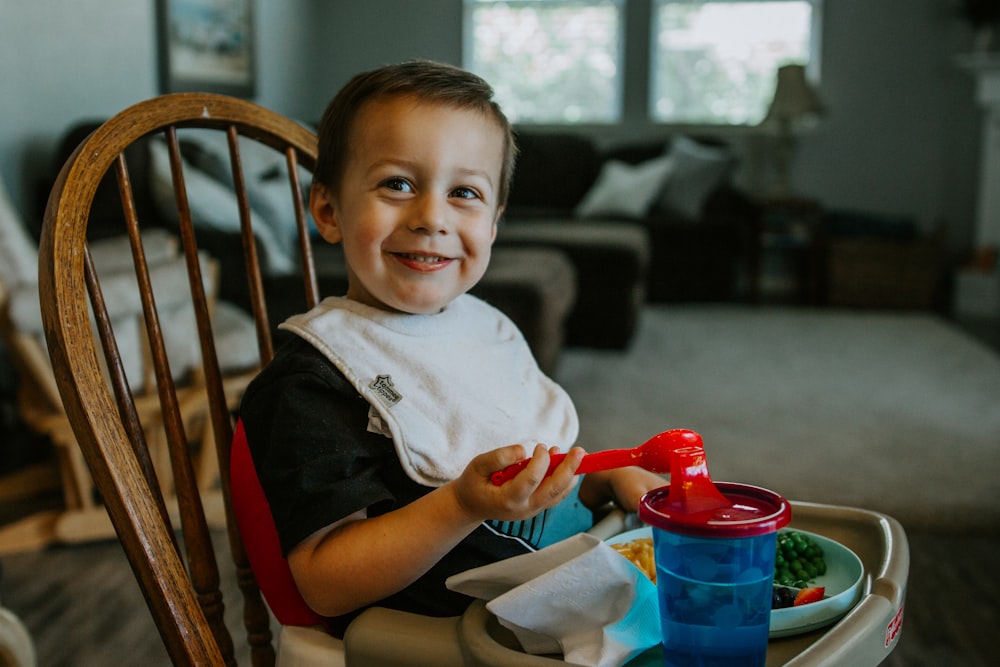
column 84, row 610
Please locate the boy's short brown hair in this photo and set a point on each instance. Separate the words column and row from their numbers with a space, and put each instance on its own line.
column 427, row 81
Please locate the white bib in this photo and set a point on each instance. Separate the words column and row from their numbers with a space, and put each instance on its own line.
column 447, row 386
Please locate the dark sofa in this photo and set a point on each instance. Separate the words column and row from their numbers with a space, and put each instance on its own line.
column 565, row 275
column 697, row 224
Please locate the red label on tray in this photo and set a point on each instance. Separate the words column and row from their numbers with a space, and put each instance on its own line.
column 895, row 625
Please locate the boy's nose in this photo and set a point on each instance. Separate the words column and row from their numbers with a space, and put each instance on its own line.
column 431, row 216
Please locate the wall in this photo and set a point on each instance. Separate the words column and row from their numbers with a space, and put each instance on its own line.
column 355, row 36
column 61, row 62
column 902, row 132
column 901, row 136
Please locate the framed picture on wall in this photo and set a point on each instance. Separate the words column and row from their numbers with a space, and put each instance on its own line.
column 207, row 46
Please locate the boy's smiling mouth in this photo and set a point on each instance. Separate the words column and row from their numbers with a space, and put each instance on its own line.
column 420, row 261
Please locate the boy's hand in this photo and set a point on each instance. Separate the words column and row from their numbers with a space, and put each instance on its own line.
column 522, row 497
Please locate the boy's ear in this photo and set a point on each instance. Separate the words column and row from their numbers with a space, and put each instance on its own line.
column 496, row 223
column 323, row 209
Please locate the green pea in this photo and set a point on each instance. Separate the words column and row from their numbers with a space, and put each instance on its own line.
column 797, row 558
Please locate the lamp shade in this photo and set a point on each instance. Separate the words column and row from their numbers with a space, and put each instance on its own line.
column 794, row 97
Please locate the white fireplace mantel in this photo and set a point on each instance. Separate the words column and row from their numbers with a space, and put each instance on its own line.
column 986, row 68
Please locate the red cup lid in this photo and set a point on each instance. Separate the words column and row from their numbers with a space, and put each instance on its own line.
column 754, row 511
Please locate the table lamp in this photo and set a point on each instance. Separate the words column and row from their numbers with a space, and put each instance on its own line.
column 795, row 103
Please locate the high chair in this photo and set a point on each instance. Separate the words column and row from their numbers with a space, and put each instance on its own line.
column 173, row 560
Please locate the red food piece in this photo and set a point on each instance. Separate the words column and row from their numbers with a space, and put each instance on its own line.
column 807, row 595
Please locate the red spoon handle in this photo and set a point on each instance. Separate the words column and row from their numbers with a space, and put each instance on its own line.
column 510, row 472
column 605, row 460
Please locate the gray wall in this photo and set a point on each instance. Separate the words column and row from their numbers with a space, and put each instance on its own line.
column 62, row 61
column 901, row 136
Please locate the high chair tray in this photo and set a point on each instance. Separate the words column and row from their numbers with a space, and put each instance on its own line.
column 864, row 636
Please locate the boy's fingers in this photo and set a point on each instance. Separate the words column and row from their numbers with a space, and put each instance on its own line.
column 537, row 466
column 498, row 459
column 572, row 461
column 511, row 454
column 562, row 480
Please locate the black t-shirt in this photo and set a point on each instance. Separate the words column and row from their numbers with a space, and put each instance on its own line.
column 307, row 429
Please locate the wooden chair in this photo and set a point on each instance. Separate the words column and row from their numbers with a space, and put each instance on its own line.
column 175, row 563
column 178, row 571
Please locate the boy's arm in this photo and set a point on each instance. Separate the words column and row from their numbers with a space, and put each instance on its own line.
column 624, row 486
column 360, row 562
column 353, row 564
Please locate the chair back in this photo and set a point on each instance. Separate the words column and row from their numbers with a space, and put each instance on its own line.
column 171, row 552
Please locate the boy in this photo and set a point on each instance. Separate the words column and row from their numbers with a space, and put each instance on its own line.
column 375, row 431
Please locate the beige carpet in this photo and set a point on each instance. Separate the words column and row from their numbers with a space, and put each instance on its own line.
column 896, row 412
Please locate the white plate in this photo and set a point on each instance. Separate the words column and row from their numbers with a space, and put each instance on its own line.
column 843, row 582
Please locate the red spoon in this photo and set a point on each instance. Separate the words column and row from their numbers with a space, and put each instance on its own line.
column 654, row 455
column 692, row 490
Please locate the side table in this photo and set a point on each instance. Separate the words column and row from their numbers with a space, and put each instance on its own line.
column 794, row 229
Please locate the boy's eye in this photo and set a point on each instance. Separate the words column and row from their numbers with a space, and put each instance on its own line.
column 465, row 193
column 398, row 184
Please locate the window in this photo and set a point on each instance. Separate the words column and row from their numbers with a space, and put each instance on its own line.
column 549, row 61
column 714, row 61
column 711, row 62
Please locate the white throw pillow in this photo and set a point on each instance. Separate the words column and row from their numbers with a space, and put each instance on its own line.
column 18, row 251
column 212, row 156
column 265, row 171
column 624, row 190
column 698, row 170
column 212, row 205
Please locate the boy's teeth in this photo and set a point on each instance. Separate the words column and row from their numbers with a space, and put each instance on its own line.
column 421, row 258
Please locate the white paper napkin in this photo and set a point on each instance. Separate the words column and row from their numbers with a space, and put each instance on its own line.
column 577, row 596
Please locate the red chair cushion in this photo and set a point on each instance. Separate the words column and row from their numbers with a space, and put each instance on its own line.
column 260, row 539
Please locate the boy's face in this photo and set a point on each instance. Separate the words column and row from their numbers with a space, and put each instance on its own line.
column 416, row 209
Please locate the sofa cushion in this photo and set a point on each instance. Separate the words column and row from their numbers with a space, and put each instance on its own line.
column 625, row 191
column 698, row 169
column 536, row 288
column 615, row 253
column 611, row 261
